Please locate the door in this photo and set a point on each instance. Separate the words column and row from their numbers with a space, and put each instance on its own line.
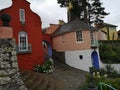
column 95, row 60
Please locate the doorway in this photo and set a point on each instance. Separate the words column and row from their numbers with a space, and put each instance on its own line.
column 95, row 60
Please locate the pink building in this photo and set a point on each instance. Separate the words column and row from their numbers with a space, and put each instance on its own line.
column 79, row 43
column 6, row 32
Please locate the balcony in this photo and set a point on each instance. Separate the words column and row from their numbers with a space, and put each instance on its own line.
column 94, row 44
column 29, row 50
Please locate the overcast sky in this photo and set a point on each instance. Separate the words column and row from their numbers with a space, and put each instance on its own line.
column 50, row 12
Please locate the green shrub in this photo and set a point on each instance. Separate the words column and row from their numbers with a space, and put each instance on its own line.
column 107, row 75
column 109, row 53
column 46, row 68
column 110, row 81
column 113, row 82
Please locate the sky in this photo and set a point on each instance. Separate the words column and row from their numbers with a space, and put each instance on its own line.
column 50, row 12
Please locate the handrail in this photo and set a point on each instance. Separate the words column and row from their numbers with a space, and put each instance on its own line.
column 107, row 86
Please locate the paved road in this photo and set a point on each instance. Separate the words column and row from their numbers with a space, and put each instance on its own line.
column 63, row 78
column 71, row 77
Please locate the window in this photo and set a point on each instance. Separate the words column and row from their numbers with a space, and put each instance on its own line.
column 79, row 36
column 92, row 36
column 22, row 15
column 81, row 56
column 23, row 41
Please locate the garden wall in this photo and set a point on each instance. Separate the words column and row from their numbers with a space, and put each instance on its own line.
column 9, row 72
column 116, row 66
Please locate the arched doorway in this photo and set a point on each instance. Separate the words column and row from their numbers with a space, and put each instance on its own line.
column 95, row 60
column 47, row 48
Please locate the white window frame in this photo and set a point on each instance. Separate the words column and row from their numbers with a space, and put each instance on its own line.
column 22, row 15
column 92, row 36
column 79, row 36
column 23, row 35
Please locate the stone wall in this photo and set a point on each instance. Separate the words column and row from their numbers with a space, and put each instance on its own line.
column 9, row 72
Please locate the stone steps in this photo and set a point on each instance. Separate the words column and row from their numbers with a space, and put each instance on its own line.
column 38, row 81
column 63, row 78
column 51, row 84
column 36, row 84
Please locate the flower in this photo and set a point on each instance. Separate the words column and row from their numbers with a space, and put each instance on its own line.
column 46, row 68
column 105, row 75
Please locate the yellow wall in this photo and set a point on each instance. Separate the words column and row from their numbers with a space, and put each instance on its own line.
column 112, row 33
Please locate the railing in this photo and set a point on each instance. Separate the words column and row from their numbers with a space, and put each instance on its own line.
column 106, row 85
column 26, row 51
column 94, row 43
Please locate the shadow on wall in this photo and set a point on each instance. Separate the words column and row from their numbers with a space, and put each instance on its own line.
column 47, row 48
column 59, row 56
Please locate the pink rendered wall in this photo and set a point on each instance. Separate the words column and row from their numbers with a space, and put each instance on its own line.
column 6, row 32
column 68, row 42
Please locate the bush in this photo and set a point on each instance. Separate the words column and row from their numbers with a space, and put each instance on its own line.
column 106, row 75
column 46, row 68
column 109, row 53
column 113, row 82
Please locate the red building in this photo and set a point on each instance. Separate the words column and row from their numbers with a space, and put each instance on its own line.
column 28, row 33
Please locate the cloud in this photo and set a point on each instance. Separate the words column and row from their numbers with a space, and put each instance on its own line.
column 5, row 4
column 113, row 7
column 50, row 12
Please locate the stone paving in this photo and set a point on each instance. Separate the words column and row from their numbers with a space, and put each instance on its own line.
column 71, row 77
column 64, row 77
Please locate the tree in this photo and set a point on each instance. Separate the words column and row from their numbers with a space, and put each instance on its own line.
column 96, row 12
column 91, row 11
column 78, row 8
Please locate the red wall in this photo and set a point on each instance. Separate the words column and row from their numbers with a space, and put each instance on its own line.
column 33, row 29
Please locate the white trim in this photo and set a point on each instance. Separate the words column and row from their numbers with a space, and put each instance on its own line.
column 26, row 36
column 22, row 15
column 76, row 38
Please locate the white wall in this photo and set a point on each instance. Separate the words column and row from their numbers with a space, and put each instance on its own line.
column 116, row 66
column 72, row 59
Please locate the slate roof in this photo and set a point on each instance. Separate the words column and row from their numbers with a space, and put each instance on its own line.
column 73, row 26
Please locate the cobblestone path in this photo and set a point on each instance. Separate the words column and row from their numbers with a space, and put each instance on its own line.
column 63, row 78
